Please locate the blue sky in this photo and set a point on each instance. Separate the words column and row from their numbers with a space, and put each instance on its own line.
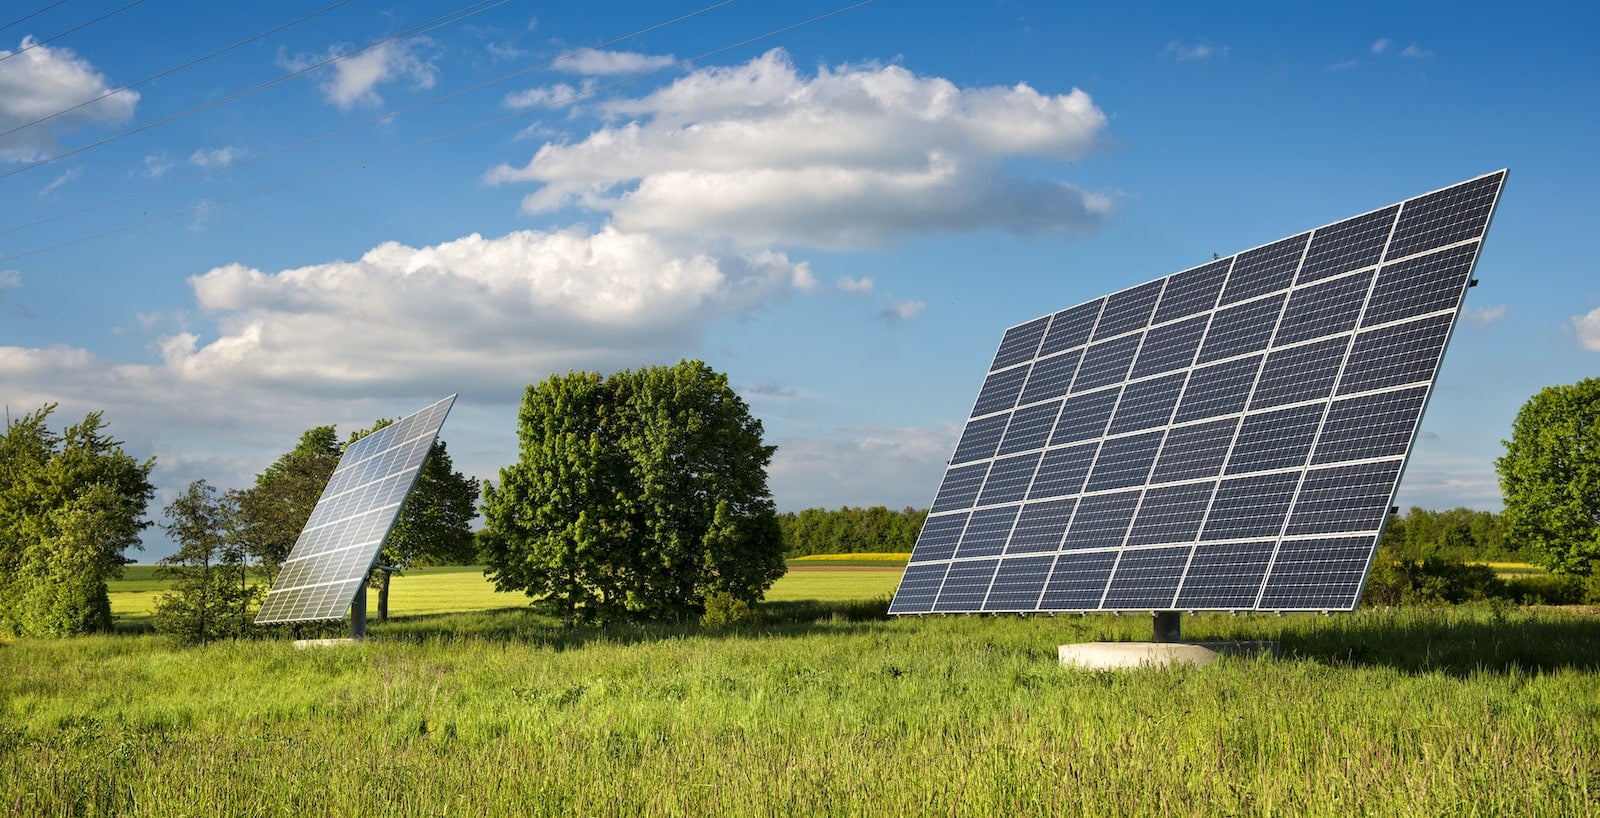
column 844, row 216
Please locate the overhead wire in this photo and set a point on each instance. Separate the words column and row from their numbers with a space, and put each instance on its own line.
column 587, row 92
column 32, row 14
column 386, row 117
column 469, row 10
column 175, row 69
column 76, row 28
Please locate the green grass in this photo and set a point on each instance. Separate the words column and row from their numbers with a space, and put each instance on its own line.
column 824, row 709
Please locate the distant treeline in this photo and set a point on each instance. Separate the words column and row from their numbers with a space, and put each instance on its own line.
column 850, row 530
column 1461, row 534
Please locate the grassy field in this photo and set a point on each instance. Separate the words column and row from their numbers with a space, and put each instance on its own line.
column 826, row 708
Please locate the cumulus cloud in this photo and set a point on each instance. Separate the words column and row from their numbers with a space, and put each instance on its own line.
column 900, row 311
column 855, row 285
column 353, row 81
column 1588, row 329
column 1191, row 52
column 1482, row 317
column 855, row 156
column 598, row 63
column 40, row 81
column 558, row 94
column 214, row 157
column 10, row 279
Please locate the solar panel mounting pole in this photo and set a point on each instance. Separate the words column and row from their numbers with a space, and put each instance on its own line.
column 358, row 614
column 1168, row 625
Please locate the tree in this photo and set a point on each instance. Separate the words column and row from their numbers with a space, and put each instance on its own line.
column 635, row 496
column 435, row 525
column 70, row 505
column 213, row 596
column 1550, row 476
column 275, row 509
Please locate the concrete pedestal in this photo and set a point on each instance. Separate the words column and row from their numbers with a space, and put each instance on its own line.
column 1121, row 655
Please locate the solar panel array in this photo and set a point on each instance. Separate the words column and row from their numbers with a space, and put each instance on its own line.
column 346, row 530
column 1229, row 437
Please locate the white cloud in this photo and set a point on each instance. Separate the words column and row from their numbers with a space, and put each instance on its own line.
column 10, row 279
column 1415, row 52
column 854, row 156
column 900, row 312
column 1345, row 64
column 1482, row 317
column 895, row 467
column 855, row 285
column 156, row 165
column 1588, row 329
column 42, row 81
column 1190, row 52
column 354, row 80
column 558, row 94
column 65, row 177
column 1380, row 45
column 214, row 157
column 597, row 63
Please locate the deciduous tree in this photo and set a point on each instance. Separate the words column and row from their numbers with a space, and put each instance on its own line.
column 1550, row 476
column 213, row 595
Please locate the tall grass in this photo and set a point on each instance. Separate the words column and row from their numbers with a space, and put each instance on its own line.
column 824, row 709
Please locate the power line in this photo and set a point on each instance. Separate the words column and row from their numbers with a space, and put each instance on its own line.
column 177, row 68
column 78, row 27
column 469, row 10
column 373, row 121
column 32, row 14
column 588, row 92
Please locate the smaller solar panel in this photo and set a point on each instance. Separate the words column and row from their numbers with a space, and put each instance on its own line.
column 359, row 506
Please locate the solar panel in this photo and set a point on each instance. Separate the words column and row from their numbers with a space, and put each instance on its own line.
column 1229, row 437
column 346, row 530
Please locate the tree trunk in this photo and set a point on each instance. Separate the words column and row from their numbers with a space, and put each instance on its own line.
column 383, row 596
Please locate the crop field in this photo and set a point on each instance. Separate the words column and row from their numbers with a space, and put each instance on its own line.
column 824, row 707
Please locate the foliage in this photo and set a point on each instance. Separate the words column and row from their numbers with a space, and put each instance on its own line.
column 213, row 594
column 1429, row 581
column 1550, row 476
column 724, row 610
column 634, row 497
column 1460, row 534
column 435, row 524
column 274, row 510
column 850, row 530
column 1472, row 710
column 70, row 505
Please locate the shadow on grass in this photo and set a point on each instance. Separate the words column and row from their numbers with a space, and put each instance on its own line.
column 1456, row 641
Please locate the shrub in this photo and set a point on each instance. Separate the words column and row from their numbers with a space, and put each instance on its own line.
column 724, row 609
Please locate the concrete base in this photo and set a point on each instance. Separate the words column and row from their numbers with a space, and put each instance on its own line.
column 324, row 643
column 1119, row 655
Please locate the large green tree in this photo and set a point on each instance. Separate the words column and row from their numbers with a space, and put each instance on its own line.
column 212, row 594
column 635, row 496
column 435, row 524
column 1550, row 476
column 70, row 505
column 274, row 510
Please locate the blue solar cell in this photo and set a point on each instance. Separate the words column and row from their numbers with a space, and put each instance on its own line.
column 1373, row 425
column 1041, row 525
column 1000, row 391
column 939, row 537
column 1249, row 507
column 1396, row 355
column 1264, row 269
column 1124, row 461
column 1448, row 216
column 965, row 586
column 1147, row 403
column 1030, row 427
column 919, row 587
column 1171, row 514
column 1328, row 308
column 1077, row 581
column 1349, row 245
column 1323, row 574
column 1344, row 498
column 987, row 532
column 1063, row 471
column 1084, row 417
column 1420, row 285
column 1147, row 578
column 1195, row 451
column 1106, row 363
column 1275, row 440
column 1220, row 389
column 1294, row 374
column 1020, row 343
column 1192, row 291
column 960, row 487
column 1071, row 327
column 1242, row 329
column 1102, row 521
column 1051, row 377
column 980, row 439
column 1225, row 576
column 1169, row 347
column 1128, row 310
column 1018, row 584
column 1009, row 478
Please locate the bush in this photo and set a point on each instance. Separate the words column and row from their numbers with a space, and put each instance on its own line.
column 1553, row 589
column 724, row 609
column 1432, row 581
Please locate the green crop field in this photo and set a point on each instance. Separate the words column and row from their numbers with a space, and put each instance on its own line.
column 823, row 708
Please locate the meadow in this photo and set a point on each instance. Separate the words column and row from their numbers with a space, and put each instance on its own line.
column 824, row 708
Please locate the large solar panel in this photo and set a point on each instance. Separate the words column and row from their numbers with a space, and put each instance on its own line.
column 346, row 530
column 1229, row 437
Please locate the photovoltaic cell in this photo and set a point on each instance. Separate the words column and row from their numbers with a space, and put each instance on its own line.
column 1229, row 437
column 345, row 532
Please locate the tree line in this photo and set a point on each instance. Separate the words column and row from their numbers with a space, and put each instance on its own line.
column 850, row 530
